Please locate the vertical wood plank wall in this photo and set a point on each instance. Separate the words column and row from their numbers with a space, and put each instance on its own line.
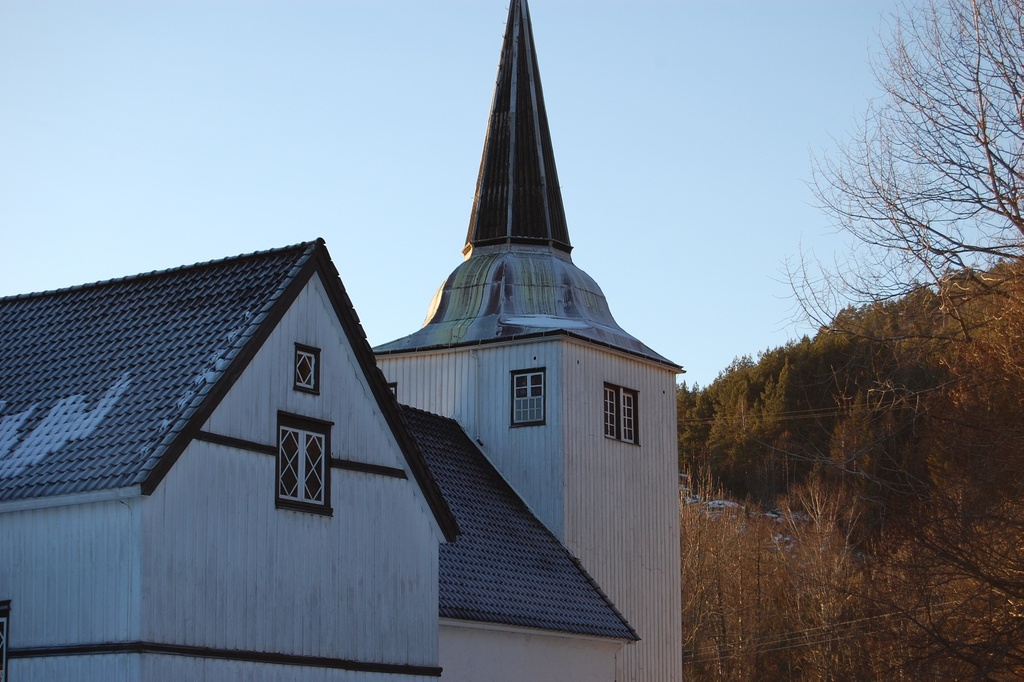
column 614, row 504
column 157, row 668
column 208, row 561
column 474, row 388
column 71, row 573
column 621, row 503
column 224, row 568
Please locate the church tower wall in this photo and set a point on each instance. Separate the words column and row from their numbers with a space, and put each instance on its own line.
column 621, row 501
column 473, row 386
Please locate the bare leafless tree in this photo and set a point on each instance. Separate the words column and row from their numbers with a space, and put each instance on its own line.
column 930, row 189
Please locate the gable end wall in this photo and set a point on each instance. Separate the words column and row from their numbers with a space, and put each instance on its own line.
column 223, row 568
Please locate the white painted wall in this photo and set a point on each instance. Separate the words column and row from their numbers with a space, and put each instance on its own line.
column 614, row 504
column 185, row 669
column 223, row 568
column 621, row 502
column 249, row 410
column 473, row 386
column 471, row 652
column 71, row 573
column 100, row 668
column 161, row 668
column 208, row 561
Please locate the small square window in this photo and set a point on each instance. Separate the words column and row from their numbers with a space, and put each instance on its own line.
column 307, row 369
column 5, row 619
column 303, row 463
column 528, row 397
column 621, row 417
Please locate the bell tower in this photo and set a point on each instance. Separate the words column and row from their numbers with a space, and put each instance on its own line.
column 520, row 347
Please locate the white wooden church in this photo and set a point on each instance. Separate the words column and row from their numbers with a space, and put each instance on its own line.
column 206, row 473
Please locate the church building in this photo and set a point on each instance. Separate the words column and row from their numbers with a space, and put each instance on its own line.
column 207, row 473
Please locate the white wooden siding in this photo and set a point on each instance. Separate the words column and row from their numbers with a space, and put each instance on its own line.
column 173, row 668
column 621, row 502
column 471, row 653
column 249, row 411
column 474, row 387
column 71, row 573
column 614, row 504
column 157, row 668
column 224, row 568
column 98, row 668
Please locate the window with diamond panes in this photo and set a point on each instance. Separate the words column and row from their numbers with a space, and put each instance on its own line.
column 307, row 369
column 5, row 617
column 303, row 464
column 620, row 414
column 528, row 397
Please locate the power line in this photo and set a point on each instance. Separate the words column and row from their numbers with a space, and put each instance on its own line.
column 785, row 641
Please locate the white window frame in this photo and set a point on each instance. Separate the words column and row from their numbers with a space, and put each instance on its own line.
column 621, row 412
column 296, row 470
column 307, row 369
column 611, row 411
column 627, row 415
column 529, row 396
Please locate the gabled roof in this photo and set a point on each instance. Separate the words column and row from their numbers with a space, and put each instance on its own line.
column 506, row 567
column 102, row 386
column 518, row 199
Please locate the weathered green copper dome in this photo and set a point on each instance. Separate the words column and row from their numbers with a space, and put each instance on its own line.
column 518, row 291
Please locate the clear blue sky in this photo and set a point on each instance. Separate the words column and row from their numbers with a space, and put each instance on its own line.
column 143, row 135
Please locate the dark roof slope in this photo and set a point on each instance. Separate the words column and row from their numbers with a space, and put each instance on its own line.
column 518, row 199
column 103, row 385
column 505, row 567
column 97, row 380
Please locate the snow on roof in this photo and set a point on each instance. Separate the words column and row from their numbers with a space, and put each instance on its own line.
column 97, row 380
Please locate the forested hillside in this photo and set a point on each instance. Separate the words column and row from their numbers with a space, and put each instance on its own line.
column 879, row 466
column 848, row 402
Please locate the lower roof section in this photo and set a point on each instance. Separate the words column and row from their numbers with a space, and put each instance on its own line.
column 506, row 567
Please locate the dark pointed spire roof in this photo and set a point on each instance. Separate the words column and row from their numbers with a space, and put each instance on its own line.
column 518, row 199
column 518, row 280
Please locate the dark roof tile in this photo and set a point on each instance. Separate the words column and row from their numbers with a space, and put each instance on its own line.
column 506, row 567
column 95, row 380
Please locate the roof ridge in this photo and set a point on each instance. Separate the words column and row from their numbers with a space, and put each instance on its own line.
column 152, row 274
column 428, row 413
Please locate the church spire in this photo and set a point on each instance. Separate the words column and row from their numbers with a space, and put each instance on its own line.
column 518, row 199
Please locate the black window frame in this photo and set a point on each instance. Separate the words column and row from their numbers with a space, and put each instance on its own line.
column 299, row 502
column 300, row 350
column 617, row 420
column 513, row 375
